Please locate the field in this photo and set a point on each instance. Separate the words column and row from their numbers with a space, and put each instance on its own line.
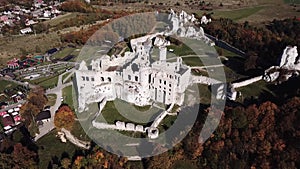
column 51, row 148
column 254, row 90
column 119, row 110
column 46, row 82
column 257, row 12
column 78, row 132
column 6, row 85
column 67, row 95
column 236, row 14
column 16, row 46
column 65, row 52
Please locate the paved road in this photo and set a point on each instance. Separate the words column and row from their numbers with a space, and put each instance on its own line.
column 205, row 67
column 13, row 106
column 69, row 76
column 47, row 127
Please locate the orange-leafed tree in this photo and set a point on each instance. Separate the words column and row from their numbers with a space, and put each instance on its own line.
column 64, row 117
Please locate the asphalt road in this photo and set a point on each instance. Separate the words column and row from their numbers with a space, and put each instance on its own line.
column 47, row 127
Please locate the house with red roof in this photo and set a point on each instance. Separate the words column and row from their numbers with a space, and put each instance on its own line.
column 13, row 64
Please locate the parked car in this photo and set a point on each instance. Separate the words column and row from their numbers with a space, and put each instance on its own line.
column 17, row 117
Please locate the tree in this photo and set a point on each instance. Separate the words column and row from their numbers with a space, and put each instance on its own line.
column 65, row 163
column 36, row 102
column 251, row 61
column 21, row 157
column 64, row 117
column 28, row 112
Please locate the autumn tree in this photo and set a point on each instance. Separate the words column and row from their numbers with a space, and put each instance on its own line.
column 64, row 117
column 21, row 157
column 66, row 163
column 76, row 6
column 98, row 158
column 36, row 102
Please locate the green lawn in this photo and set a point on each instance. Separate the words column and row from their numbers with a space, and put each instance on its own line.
column 78, row 132
column 64, row 52
column 225, row 52
column 119, row 110
column 231, row 75
column 50, row 147
column 192, row 61
column 45, row 82
column 50, row 83
column 111, row 114
column 6, row 85
column 236, row 14
column 67, row 95
column 166, row 123
column 254, row 90
column 181, row 50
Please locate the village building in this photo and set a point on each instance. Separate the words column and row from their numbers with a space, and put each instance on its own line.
column 13, row 64
column 26, row 30
column 43, row 117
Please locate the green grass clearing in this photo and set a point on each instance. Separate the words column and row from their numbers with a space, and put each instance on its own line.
column 63, row 53
column 254, row 90
column 78, row 132
column 225, row 52
column 181, row 50
column 67, row 95
column 50, row 83
column 111, row 113
column 6, row 85
column 192, row 61
column 50, row 147
column 236, row 14
column 46, row 82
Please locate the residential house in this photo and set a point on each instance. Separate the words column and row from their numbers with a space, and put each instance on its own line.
column 13, row 64
column 7, row 122
column 52, row 51
column 4, row 18
column 43, row 117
